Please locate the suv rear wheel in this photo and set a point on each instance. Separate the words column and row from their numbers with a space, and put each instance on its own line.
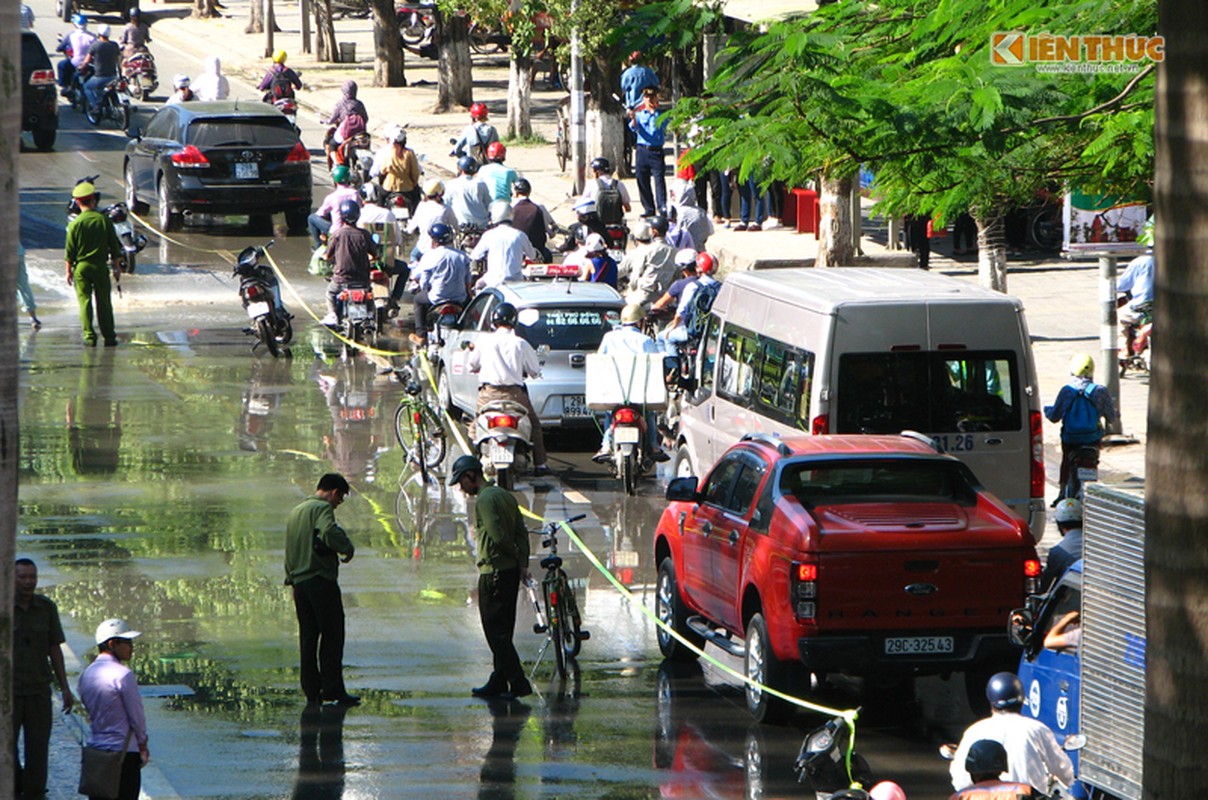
column 45, row 139
column 670, row 610
column 64, row 7
column 763, row 669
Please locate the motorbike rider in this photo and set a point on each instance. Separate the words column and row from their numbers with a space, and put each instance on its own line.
column 503, row 247
column 602, row 169
column 589, row 222
column 987, row 760
column 689, row 274
column 135, row 35
column 442, row 276
column 1068, row 515
column 468, row 196
column 477, row 136
column 351, row 251
column 103, row 56
column 183, row 93
column 431, row 210
column 532, row 218
column 1136, row 284
column 398, row 169
column 649, row 267
column 280, row 81
column 78, row 42
column 1034, row 755
column 627, row 339
column 502, row 360
column 342, row 123
column 690, row 218
column 684, row 325
column 1081, row 406
column 498, row 177
column 211, row 84
column 327, row 217
column 598, row 266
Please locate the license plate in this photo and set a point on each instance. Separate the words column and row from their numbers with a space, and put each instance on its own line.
column 918, row 645
column 626, row 434
column 1088, row 473
column 499, row 453
column 357, row 311
column 573, row 405
column 257, row 309
column 121, row 228
column 247, row 170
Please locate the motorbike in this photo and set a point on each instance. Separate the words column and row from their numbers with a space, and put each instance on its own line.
column 141, row 76
column 359, row 317
column 502, row 438
column 260, row 292
column 132, row 243
column 358, row 157
column 825, row 763
column 1138, row 340
column 114, row 105
column 289, row 107
column 630, row 456
column 416, row 23
column 1084, row 468
column 617, row 240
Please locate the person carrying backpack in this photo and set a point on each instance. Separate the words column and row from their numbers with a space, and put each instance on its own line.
column 280, row 81
column 695, row 304
column 612, row 199
column 1081, row 407
column 347, row 119
column 477, row 136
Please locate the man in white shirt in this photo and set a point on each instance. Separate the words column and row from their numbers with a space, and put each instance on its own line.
column 431, row 210
column 627, row 339
column 504, row 248
column 502, row 360
column 468, row 196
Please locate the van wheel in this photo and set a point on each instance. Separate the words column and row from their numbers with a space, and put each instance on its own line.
column 763, row 669
column 669, row 607
column 683, row 463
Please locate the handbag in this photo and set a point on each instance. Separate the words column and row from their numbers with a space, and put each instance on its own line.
column 101, row 770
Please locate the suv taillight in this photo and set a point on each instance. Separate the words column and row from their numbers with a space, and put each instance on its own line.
column 190, row 158
column 42, row 77
column 803, row 590
column 298, row 154
column 1031, row 576
column 1037, row 430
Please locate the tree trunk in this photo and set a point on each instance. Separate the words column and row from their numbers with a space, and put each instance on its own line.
column 255, row 18
column 325, row 32
column 10, row 138
column 520, row 96
column 606, row 120
column 1176, row 517
column 387, row 46
column 991, row 253
column 834, row 223
column 205, row 9
column 454, row 70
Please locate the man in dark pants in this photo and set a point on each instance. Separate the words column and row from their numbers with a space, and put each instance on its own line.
column 37, row 636
column 314, row 548
column 650, row 159
column 503, row 552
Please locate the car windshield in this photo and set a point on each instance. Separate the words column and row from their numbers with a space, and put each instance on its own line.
column 843, row 482
column 242, row 132
column 574, row 328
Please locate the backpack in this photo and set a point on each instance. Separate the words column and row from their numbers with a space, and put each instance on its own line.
column 350, row 126
column 608, row 203
column 1081, row 419
column 281, row 86
column 699, row 306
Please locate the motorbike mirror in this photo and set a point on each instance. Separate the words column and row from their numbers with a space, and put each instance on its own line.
column 1020, row 626
column 1075, row 741
column 948, row 751
column 136, row 133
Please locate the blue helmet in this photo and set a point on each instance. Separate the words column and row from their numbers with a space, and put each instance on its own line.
column 440, row 233
column 468, row 165
column 1005, row 690
column 350, row 211
column 80, row 21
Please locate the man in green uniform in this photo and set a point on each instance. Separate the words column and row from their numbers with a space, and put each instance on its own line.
column 503, row 553
column 314, row 548
column 92, row 246
column 37, row 636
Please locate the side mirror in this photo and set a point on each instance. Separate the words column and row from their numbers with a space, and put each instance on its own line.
column 1021, row 624
column 1075, row 741
column 136, row 133
column 683, row 490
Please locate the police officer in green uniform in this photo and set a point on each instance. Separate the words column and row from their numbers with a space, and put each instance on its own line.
column 92, row 250
column 315, row 546
column 503, row 553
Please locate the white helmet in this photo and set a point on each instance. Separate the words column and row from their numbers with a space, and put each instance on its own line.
column 501, row 211
column 103, row 31
column 595, row 244
column 685, row 257
column 180, row 81
column 585, row 205
column 114, row 629
column 1068, row 510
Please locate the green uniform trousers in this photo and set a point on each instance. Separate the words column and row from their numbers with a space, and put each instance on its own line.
column 93, row 282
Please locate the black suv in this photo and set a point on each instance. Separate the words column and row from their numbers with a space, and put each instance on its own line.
column 39, row 92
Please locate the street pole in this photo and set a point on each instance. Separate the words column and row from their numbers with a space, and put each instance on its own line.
column 304, row 12
column 577, row 117
column 1110, row 354
column 268, row 28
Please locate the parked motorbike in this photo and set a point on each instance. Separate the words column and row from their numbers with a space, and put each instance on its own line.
column 132, row 243
column 416, row 23
column 260, row 292
column 823, row 762
column 114, row 105
column 1084, row 468
column 502, row 438
column 141, row 76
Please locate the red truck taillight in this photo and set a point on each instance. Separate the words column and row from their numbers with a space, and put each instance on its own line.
column 1031, row 576
column 803, row 590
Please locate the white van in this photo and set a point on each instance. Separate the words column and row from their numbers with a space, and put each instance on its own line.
column 856, row 350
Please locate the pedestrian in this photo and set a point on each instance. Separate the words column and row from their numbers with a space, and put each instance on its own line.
column 650, row 158
column 987, row 760
column 498, row 177
column 689, row 217
column 211, row 84
column 315, row 546
column 964, row 235
column 24, row 294
column 109, row 692
column 92, row 252
column 918, row 240
column 503, row 553
column 1034, row 756
column 1068, row 515
column 533, row 219
column 37, row 660
column 752, row 205
column 504, row 247
column 502, row 360
column 1081, row 406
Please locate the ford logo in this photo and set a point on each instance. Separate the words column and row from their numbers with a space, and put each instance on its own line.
column 922, row 588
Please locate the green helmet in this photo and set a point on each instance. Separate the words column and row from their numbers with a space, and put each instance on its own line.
column 340, row 174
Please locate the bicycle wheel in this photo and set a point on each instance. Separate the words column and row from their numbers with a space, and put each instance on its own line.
column 568, row 612
column 562, row 141
column 407, row 429
column 553, row 615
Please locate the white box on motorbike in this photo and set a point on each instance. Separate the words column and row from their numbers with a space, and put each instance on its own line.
column 614, row 379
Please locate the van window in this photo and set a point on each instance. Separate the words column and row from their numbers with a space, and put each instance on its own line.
column 785, row 378
column 736, row 378
column 932, row 392
column 709, row 344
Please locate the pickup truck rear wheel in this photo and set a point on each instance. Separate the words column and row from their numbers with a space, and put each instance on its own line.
column 671, row 611
column 765, row 671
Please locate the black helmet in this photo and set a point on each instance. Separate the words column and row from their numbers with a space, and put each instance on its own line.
column 350, row 211
column 601, row 164
column 986, row 757
column 461, row 466
column 467, row 165
column 522, row 186
column 1005, row 691
column 440, row 233
column 504, row 314
column 659, row 225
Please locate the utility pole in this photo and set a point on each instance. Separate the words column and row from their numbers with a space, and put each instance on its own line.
column 578, row 120
column 304, row 11
column 269, row 24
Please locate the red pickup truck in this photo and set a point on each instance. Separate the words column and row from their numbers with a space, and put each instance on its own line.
column 871, row 556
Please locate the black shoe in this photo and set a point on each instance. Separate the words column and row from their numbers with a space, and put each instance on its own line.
column 111, row 342
column 659, row 457
column 489, row 690
column 344, row 700
column 521, row 688
column 541, row 471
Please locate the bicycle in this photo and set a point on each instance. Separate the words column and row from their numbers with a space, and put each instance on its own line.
column 417, row 427
column 562, row 135
column 558, row 616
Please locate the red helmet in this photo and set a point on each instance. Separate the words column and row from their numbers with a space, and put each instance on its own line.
column 705, row 264
column 496, row 151
column 478, row 111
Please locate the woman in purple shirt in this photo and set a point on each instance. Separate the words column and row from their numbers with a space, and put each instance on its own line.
column 109, row 692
